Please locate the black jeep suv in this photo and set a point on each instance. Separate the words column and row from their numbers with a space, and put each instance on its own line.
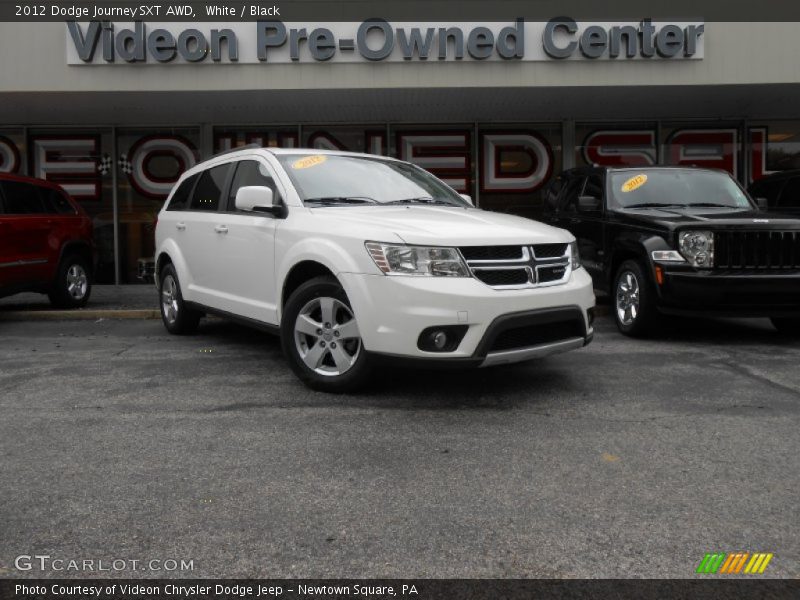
column 679, row 240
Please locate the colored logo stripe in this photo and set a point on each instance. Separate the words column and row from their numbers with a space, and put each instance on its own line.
column 758, row 563
column 733, row 563
column 711, row 562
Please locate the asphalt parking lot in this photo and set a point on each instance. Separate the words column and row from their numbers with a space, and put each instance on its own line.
column 624, row 459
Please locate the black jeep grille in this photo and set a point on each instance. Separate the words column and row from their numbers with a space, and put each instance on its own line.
column 757, row 250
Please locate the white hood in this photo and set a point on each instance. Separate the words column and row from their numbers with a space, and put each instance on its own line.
column 442, row 226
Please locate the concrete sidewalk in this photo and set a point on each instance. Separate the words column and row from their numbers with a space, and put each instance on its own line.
column 106, row 301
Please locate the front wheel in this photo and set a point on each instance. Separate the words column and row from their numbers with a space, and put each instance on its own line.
column 634, row 304
column 787, row 325
column 321, row 340
column 73, row 283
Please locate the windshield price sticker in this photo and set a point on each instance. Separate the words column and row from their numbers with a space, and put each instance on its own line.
column 634, row 183
column 309, row 161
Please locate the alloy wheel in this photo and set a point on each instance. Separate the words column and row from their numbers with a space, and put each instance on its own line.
column 326, row 336
column 627, row 298
column 77, row 282
column 169, row 299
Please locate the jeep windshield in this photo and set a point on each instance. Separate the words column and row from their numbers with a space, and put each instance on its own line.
column 675, row 188
column 335, row 180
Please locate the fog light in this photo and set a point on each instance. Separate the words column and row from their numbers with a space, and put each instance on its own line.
column 439, row 340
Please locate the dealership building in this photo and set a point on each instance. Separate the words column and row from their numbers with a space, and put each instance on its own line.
column 116, row 110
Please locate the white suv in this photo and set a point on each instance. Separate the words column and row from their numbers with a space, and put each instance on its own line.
column 356, row 259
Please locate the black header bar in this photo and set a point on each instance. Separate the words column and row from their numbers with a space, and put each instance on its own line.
column 397, row 589
column 318, row 11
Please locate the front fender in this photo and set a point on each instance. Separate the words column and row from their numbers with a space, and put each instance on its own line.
column 332, row 255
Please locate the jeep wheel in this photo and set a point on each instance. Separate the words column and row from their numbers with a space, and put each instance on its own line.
column 177, row 317
column 788, row 326
column 634, row 307
column 73, row 284
column 320, row 338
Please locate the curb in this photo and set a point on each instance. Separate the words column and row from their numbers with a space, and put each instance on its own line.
column 78, row 315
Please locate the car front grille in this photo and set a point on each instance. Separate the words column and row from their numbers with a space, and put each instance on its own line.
column 535, row 335
column 761, row 250
column 518, row 267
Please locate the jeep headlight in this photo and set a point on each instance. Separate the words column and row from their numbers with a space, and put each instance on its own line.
column 397, row 259
column 576, row 257
column 697, row 247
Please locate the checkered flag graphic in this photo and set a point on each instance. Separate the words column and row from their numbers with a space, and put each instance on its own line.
column 125, row 165
column 104, row 166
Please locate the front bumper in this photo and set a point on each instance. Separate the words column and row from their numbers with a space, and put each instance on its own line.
column 393, row 311
column 727, row 293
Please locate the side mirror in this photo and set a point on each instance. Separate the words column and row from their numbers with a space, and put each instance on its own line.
column 255, row 198
column 763, row 204
column 467, row 198
column 588, row 204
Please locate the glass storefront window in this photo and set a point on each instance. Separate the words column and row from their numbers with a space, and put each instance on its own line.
column 515, row 163
column 150, row 162
column 12, row 151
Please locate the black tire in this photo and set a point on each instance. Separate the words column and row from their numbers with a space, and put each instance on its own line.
column 73, row 283
column 178, row 318
column 788, row 326
column 328, row 350
column 642, row 318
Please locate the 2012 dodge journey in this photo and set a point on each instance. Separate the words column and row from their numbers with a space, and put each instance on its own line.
column 357, row 259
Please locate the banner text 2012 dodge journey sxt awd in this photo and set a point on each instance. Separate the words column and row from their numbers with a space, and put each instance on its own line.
column 356, row 258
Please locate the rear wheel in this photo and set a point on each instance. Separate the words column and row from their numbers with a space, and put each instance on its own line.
column 634, row 300
column 787, row 325
column 176, row 316
column 321, row 340
column 73, row 284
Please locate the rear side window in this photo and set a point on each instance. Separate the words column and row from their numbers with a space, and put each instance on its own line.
column 250, row 172
column 209, row 188
column 180, row 199
column 552, row 193
column 21, row 198
column 55, row 202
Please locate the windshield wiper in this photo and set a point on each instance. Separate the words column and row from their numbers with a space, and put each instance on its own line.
column 713, row 205
column 333, row 200
column 655, row 205
column 420, row 200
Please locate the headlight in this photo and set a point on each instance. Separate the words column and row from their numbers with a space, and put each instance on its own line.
column 667, row 256
column 697, row 247
column 394, row 259
column 576, row 257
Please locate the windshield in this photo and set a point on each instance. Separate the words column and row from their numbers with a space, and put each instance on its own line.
column 656, row 188
column 332, row 180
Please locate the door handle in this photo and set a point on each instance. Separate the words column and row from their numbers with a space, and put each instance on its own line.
column 180, row 226
column 221, row 229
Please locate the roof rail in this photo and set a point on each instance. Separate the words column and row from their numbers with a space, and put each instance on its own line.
column 236, row 149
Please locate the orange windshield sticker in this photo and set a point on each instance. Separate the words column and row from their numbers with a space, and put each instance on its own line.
column 309, row 161
column 634, row 183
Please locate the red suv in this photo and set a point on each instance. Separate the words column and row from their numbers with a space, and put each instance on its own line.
column 46, row 243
